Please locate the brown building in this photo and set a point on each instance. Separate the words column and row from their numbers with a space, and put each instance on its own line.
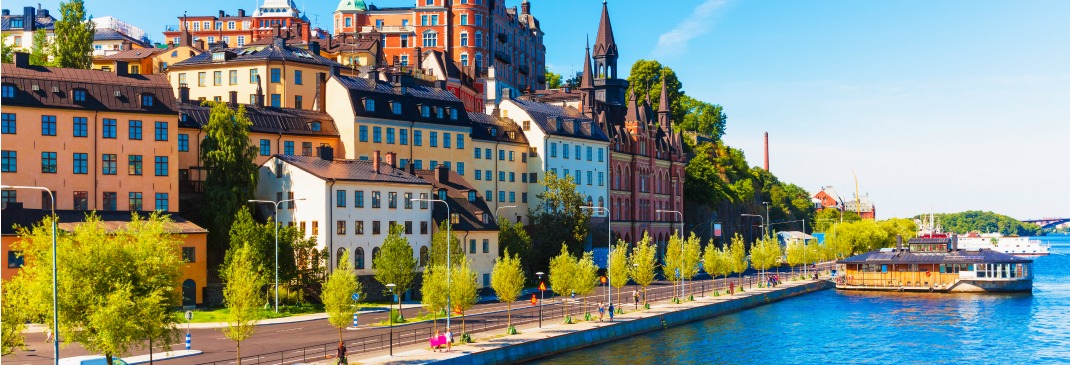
column 242, row 29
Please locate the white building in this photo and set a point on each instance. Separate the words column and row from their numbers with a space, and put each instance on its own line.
column 349, row 205
column 18, row 29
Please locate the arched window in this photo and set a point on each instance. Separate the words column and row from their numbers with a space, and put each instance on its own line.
column 375, row 255
column 464, row 39
column 601, row 202
column 338, row 259
column 189, row 292
column 358, row 258
column 423, row 256
column 590, row 201
column 464, row 59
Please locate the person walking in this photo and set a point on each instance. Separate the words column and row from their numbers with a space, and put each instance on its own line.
column 342, row 353
column 449, row 340
column 635, row 294
column 611, row 311
column 601, row 310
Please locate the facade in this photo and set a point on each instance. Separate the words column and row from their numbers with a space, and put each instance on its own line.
column 18, row 29
column 438, row 65
column 113, row 36
column 829, row 198
column 101, row 140
column 194, row 277
column 138, row 60
column 242, row 29
column 863, row 206
column 475, row 34
column 500, row 162
column 470, row 217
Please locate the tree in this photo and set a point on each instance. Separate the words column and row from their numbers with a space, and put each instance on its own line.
column 512, row 237
column 702, row 117
column 644, row 262
column 737, row 258
column 7, row 53
column 116, row 286
column 716, row 262
column 691, row 258
column 574, row 81
column 796, row 255
column 246, row 230
column 507, row 280
column 618, row 267
column 764, row 253
column 396, row 263
column 433, row 291
column 231, row 175
column 825, row 218
column 558, row 221
column 338, row 294
column 41, row 50
column 74, row 37
column 674, row 261
column 241, row 293
column 553, row 80
column 463, row 290
column 645, row 79
column 586, row 277
column 438, row 247
column 562, row 276
column 14, row 324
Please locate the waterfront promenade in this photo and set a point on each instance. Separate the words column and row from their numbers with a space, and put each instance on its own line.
column 555, row 337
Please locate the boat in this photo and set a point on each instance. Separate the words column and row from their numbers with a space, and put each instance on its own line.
column 1018, row 246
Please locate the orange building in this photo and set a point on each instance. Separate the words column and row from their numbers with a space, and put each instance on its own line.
column 101, row 140
column 241, row 29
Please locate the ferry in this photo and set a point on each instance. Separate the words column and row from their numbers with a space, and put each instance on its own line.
column 1018, row 246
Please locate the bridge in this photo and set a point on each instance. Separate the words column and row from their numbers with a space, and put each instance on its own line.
column 1048, row 222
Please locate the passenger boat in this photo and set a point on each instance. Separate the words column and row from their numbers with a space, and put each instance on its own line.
column 935, row 263
column 1018, row 246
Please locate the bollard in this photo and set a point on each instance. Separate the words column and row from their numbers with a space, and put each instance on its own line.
column 188, row 341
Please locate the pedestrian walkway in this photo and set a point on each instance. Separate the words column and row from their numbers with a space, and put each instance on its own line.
column 298, row 318
column 139, row 359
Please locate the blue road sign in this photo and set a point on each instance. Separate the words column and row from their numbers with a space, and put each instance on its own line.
column 395, row 297
column 677, row 272
column 356, row 297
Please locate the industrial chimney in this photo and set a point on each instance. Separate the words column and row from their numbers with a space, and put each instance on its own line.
column 766, row 151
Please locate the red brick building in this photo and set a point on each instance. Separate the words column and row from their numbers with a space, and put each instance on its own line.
column 242, row 29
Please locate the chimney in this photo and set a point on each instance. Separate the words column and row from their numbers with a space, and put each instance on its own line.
column 898, row 242
column 200, row 44
column 241, row 12
column 22, row 60
column 221, row 14
column 276, row 31
column 126, row 45
column 326, row 152
column 7, row 12
column 375, row 161
column 442, row 174
column 373, row 74
column 121, row 68
column 391, row 159
column 259, row 92
column 420, row 58
column 314, row 47
column 321, row 92
column 954, row 243
column 29, row 19
column 507, row 93
column 234, row 99
column 525, row 7
column 766, row 151
column 183, row 93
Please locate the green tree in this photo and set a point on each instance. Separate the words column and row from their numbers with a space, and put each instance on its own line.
column 618, row 267
column 558, row 221
column 553, row 80
column 438, row 247
column 507, row 280
column 246, row 230
column 433, row 291
column 41, row 50
column 574, row 81
column 74, row 37
column 716, row 262
column 116, row 286
column 231, row 174
column 396, row 263
column 692, row 257
column 764, row 253
column 241, row 294
column 512, row 237
column 737, row 257
column 338, row 293
column 7, row 53
column 796, row 255
column 645, row 79
column 674, row 261
column 702, row 117
column 463, row 291
column 563, row 271
column 586, row 278
column 644, row 263
column 14, row 323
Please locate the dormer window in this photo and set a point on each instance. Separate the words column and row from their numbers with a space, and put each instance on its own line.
column 396, row 106
column 472, row 195
column 9, row 91
column 219, row 56
column 441, row 194
column 453, row 114
column 315, row 126
column 527, row 125
column 455, row 218
column 425, row 111
column 486, row 218
column 511, row 134
column 369, row 105
column 78, row 95
column 438, row 112
column 147, row 100
column 493, row 131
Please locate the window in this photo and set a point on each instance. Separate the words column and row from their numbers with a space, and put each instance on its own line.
column 487, row 153
column 265, row 146
column 81, row 126
column 109, row 128
column 298, row 80
column 147, row 101
column 589, row 179
column 315, row 228
column 276, row 75
column 377, row 134
column 486, row 246
column 423, row 227
column 404, row 137
column 578, row 152
column 217, row 78
column 501, row 195
column 161, row 131
column 376, row 227
column 479, row 174
column 341, row 228
column 419, row 164
column 601, row 178
column 553, row 149
column 288, row 148
column 233, row 77
column 358, row 227
column 430, row 38
column 460, row 168
column 241, row 40
column 434, row 139
column 299, row 103
column 564, row 150
column 340, row 198
column 10, row 161
column 396, row 106
column 306, row 148
column 135, row 201
column 48, row 125
column 479, row 20
column 161, row 201
column 161, row 165
column 369, row 105
column 446, row 140
column 276, row 100
column 472, row 245
column 405, row 38
column 423, row 205
column 253, row 76
column 79, row 95
column 134, row 164
column 202, row 78
column 358, row 258
column 600, row 155
column 358, row 198
column 464, row 36
column 110, row 200
column 363, row 133
column 9, row 126
column 14, row 258
column 589, row 154
column 81, row 163
column 134, row 130
column 417, row 138
column 479, row 35
column 464, row 59
column 512, row 177
column 376, row 199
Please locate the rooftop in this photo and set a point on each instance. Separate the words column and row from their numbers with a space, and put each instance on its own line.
column 950, row 257
column 266, row 119
column 350, row 170
column 276, row 51
column 15, row 214
column 469, row 213
column 546, row 116
column 38, row 86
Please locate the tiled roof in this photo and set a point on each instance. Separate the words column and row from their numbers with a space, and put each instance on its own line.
column 350, row 170
column 135, row 54
column 108, row 34
column 546, row 116
column 469, row 213
column 953, row 257
column 272, row 52
column 483, row 123
column 265, row 119
column 15, row 214
column 101, row 88
column 411, row 98
column 43, row 22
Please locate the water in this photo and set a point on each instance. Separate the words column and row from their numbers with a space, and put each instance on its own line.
column 834, row 327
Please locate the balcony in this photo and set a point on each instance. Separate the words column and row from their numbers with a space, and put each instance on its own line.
column 171, row 28
column 524, row 69
column 503, row 56
column 388, row 29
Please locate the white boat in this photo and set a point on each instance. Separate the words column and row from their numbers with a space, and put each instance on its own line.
column 1018, row 246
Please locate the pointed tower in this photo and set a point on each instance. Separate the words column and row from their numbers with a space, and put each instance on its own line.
column 587, row 83
column 664, row 108
column 608, row 88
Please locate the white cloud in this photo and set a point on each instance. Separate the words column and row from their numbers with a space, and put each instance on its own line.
column 674, row 42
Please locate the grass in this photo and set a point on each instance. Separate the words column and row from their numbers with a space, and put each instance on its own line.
column 220, row 315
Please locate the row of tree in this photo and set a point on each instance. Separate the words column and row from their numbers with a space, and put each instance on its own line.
column 72, row 46
column 982, row 222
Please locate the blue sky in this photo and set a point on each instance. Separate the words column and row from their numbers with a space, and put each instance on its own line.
column 947, row 105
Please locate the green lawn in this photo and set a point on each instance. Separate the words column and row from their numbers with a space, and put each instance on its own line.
column 220, row 314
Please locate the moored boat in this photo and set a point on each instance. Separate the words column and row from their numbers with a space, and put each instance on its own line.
column 1018, row 246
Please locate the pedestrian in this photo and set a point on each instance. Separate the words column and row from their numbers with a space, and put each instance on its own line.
column 601, row 310
column 611, row 311
column 449, row 340
column 635, row 294
column 342, row 353
column 435, row 344
column 731, row 287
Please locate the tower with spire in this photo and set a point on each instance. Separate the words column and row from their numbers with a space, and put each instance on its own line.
column 608, row 88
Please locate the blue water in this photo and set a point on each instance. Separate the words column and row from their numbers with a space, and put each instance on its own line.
column 834, row 327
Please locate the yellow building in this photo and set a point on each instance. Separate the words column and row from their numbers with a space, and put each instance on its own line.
column 500, row 163
column 470, row 218
column 146, row 61
column 100, row 140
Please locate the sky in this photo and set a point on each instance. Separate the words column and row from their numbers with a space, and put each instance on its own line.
column 945, row 106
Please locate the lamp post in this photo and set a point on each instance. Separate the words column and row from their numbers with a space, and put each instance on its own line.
column 390, row 313
column 542, row 296
column 500, row 208
column 276, row 203
column 680, row 234
column 755, row 215
column 766, row 231
column 55, row 296
column 449, row 240
column 609, row 244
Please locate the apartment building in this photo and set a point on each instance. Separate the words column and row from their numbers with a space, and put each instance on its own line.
column 471, row 220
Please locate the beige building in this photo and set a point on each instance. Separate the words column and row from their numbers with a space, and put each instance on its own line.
column 500, row 163
column 470, row 217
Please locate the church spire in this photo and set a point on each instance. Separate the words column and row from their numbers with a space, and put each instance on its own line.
column 663, row 104
column 586, row 80
column 604, row 44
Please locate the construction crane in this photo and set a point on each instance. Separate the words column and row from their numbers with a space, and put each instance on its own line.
column 858, row 198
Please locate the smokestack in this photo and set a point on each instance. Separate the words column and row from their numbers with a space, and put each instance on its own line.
column 375, row 161
column 183, row 93
column 442, row 174
column 766, row 151
column 899, row 242
column 391, row 159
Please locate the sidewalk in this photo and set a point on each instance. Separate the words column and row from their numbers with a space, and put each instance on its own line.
column 298, row 318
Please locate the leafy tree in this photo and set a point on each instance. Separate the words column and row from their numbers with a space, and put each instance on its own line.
column 231, row 175
column 507, row 280
column 702, row 117
column 512, row 237
column 691, row 258
column 463, row 290
column 396, row 263
column 241, row 293
column 796, row 255
column 338, row 294
column 764, row 253
column 644, row 263
column 246, row 230
column 309, row 263
column 433, row 291
column 116, row 287
column 7, row 52
column 563, row 271
column 558, row 221
column 586, row 278
column 553, row 80
column 825, row 218
column 674, row 261
column 14, row 323
column 41, row 50
column 737, row 257
column 74, row 37
column 618, row 267
column 645, row 81
column 716, row 262
column 438, row 247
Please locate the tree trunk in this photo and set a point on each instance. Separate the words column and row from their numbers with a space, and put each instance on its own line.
column 509, row 314
column 339, row 334
column 239, row 352
column 462, row 322
column 400, row 316
column 109, row 358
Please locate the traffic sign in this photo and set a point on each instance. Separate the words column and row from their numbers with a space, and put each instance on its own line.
column 356, row 297
column 603, row 279
column 533, row 300
column 542, row 286
column 677, row 272
column 354, row 319
column 189, row 316
column 395, row 297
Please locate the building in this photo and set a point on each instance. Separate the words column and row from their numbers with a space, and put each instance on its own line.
column 113, row 36
column 353, row 52
column 241, row 29
column 476, row 34
column 18, row 29
column 465, row 87
column 101, row 140
column 192, row 282
column 138, row 60
column 500, row 163
column 471, row 220
column 828, row 198
column 863, row 206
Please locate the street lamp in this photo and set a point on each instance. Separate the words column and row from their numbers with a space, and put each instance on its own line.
column 542, row 296
column 449, row 241
column 55, row 296
column 766, row 232
column 759, row 217
column 609, row 244
column 680, row 234
column 390, row 313
column 276, row 243
column 500, row 208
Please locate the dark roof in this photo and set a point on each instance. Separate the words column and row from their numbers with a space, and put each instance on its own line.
column 952, row 257
column 604, row 43
column 135, row 54
column 265, row 119
column 410, row 96
column 108, row 34
column 483, row 123
column 469, row 213
column 15, row 214
column 44, row 21
column 276, row 51
column 101, row 87
column 546, row 116
column 350, row 170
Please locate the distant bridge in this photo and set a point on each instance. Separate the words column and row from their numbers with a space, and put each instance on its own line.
column 1048, row 222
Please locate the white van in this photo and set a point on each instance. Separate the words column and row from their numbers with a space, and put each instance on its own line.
column 90, row 360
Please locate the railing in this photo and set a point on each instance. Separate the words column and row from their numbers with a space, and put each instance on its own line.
column 387, row 29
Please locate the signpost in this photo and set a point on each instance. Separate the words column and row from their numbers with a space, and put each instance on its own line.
column 189, row 317
column 356, row 298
